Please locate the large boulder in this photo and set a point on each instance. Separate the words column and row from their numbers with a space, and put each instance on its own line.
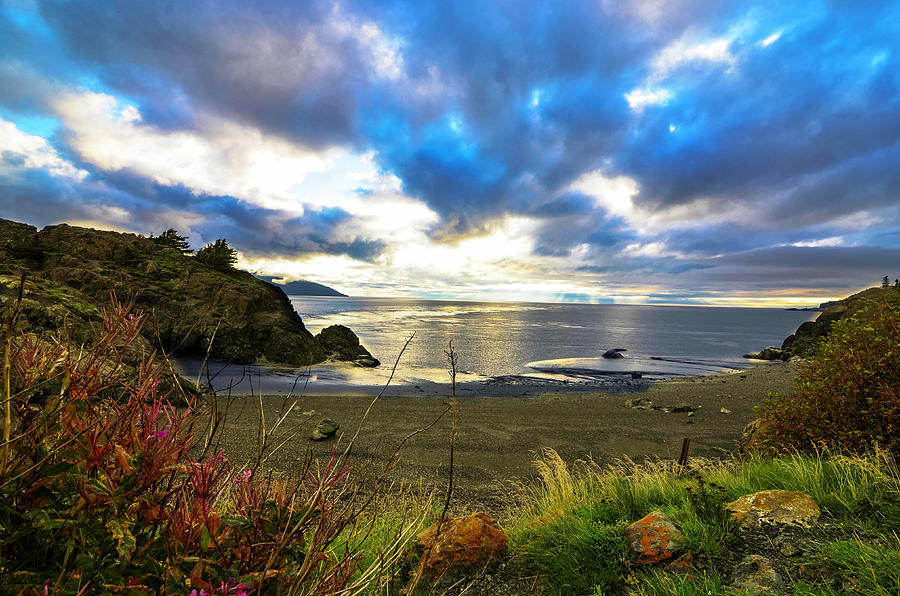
column 462, row 544
column 769, row 353
column 775, row 508
column 653, row 538
column 340, row 343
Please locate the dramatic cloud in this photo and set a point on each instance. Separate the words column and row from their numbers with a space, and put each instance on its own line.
column 636, row 151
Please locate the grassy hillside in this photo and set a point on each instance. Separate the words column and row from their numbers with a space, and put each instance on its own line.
column 70, row 271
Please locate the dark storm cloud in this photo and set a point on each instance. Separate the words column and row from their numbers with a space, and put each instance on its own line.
column 802, row 267
column 40, row 198
column 496, row 108
column 475, row 149
column 267, row 62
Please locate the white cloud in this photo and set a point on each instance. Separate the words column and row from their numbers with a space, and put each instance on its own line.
column 640, row 98
column 764, row 43
column 34, row 153
column 613, row 194
column 832, row 241
column 681, row 52
column 219, row 157
column 616, row 196
column 651, row 249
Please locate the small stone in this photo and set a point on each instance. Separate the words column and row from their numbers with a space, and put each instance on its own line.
column 653, row 538
column 690, row 414
column 325, row 429
column 639, row 403
column 725, row 411
column 683, row 564
column 788, row 550
column 682, row 407
column 755, row 575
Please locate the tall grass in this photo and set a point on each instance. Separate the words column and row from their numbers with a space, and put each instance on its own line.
column 571, row 533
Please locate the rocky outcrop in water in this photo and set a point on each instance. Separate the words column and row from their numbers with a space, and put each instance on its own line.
column 191, row 307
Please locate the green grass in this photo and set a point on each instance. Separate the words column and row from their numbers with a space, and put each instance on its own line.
column 571, row 533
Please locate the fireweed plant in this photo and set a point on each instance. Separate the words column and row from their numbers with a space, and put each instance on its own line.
column 103, row 490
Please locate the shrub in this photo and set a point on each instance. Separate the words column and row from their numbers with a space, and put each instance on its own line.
column 848, row 395
column 218, row 255
column 104, row 489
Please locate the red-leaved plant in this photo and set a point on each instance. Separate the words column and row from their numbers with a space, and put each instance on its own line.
column 103, row 487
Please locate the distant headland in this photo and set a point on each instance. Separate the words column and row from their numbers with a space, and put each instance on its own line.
column 302, row 287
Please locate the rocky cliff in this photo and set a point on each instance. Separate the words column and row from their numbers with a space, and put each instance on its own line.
column 71, row 271
column 801, row 342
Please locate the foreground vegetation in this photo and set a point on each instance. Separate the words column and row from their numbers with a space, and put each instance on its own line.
column 105, row 487
column 572, row 533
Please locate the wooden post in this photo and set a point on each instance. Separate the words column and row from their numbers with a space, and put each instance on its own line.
column 685, row 448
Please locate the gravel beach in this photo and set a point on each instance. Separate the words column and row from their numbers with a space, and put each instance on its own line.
column 499, row 433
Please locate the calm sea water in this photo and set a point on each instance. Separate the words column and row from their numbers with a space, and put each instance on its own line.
column 547, row 340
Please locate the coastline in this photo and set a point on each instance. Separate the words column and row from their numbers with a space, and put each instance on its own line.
column 501, row 429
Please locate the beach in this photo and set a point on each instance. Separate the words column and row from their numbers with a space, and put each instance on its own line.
column 500, row 430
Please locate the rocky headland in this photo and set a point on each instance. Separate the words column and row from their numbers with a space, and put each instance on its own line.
column 801, row 342
column 191, row 307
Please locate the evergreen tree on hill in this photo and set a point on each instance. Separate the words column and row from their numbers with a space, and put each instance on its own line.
column 218, row 255
column 171, row 238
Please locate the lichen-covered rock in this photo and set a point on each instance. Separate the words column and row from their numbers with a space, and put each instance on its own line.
column 755, row 575
column 467, row 543
column 683, row 564
column 325, row 429
column 775, row 507
column 653, row 538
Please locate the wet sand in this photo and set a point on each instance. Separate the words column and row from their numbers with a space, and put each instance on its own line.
column 500, row 428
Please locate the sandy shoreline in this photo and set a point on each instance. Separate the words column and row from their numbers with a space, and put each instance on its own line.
column 500, row 430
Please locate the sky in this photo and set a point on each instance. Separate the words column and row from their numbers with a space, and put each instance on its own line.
column 653, row 152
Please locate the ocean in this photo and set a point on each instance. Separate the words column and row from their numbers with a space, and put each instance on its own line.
column 499, row 342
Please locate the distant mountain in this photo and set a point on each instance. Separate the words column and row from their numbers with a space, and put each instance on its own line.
column 302, row 287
